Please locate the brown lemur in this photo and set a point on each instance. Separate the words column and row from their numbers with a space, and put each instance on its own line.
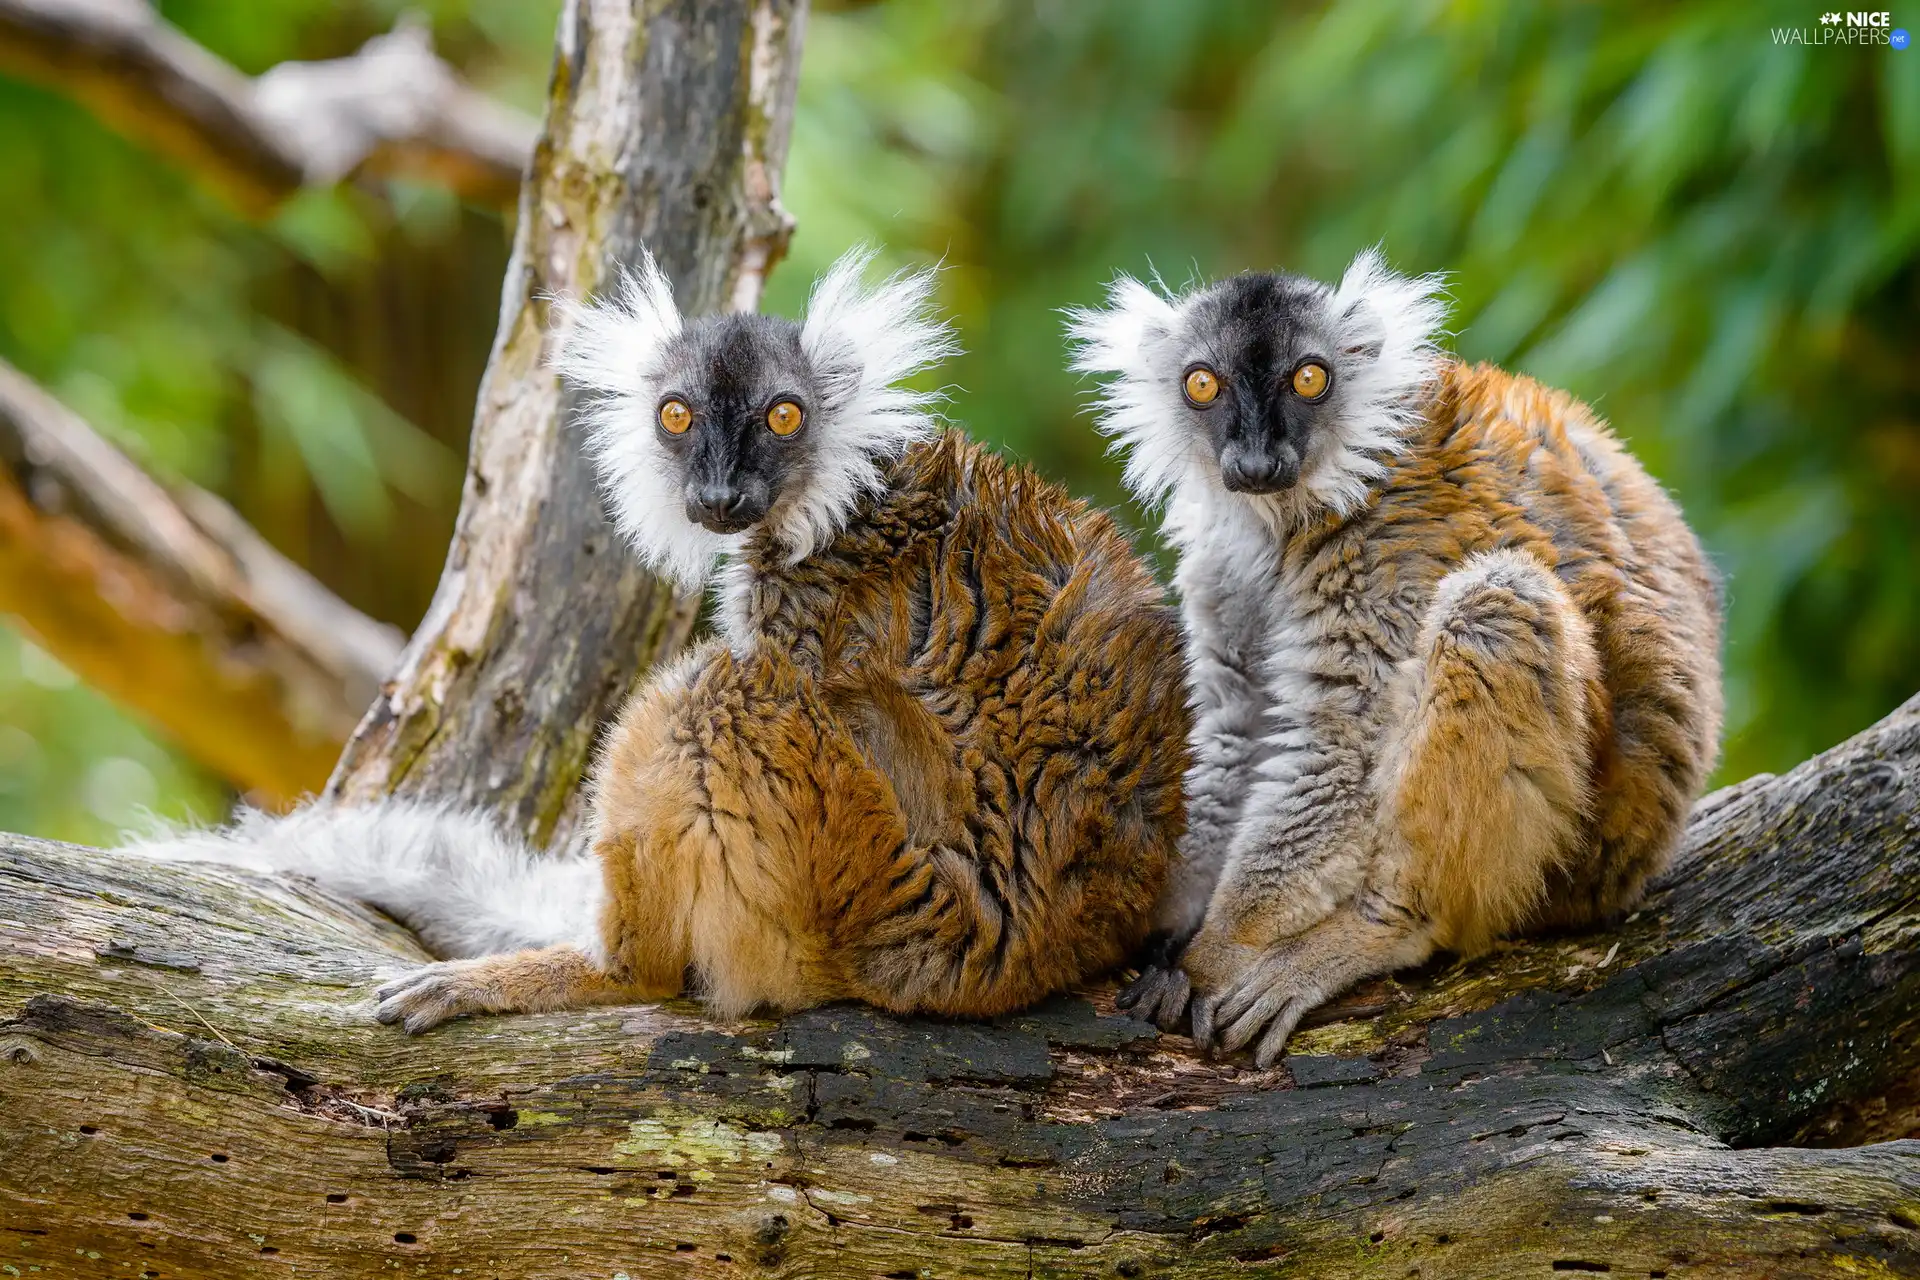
column 933, row 760
column 1454, row 656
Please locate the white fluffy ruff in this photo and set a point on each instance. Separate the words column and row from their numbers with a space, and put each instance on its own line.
column 453, row 878
column 861, row 340
column 1139, row 339
column 611, row 350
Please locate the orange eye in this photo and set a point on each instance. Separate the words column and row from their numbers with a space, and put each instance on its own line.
column 1310, row 381
column 1202, row 386
column 675, row 417
column 784, row 418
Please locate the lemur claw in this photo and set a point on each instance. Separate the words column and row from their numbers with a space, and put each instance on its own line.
column 1274, row 1043
column 1159, row 994
column 1202, row 1009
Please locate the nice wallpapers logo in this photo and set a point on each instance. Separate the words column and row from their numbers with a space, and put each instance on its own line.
column 1858, row 29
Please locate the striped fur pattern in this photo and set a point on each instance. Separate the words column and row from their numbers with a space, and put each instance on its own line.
column 1479, row 699
column 937, row 767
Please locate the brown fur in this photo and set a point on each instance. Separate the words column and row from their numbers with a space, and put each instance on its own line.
column 1519, row 699
column 936, row 768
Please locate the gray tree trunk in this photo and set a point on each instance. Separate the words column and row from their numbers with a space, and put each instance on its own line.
column 667, row 126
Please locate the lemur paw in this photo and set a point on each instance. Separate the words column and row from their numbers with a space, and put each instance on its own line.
column 430, row 995
column 1256, row 996
column 1265, row 1003
column 1159, row 995
column 1251, row 996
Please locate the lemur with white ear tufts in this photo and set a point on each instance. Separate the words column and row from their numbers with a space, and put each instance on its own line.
column 933, row 761
column 1454, row 656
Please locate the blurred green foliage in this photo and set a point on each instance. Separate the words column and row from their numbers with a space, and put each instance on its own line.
column 318, row 370
column 1710, row 236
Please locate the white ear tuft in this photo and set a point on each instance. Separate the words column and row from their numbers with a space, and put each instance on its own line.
column 1136, row 407
column 612, row 346
column 1388, row 327
column 1397, row 318
column 610, row 350
column 1394, row 319
column 862, row 342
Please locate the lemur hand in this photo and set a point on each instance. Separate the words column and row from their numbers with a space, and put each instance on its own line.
column 1257, row 995
column 1159, row 995
column 433, row 994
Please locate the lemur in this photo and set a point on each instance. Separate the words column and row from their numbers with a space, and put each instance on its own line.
column 1454, row 656
column 933, row 760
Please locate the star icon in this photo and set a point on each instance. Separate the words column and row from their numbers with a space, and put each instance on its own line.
column 1829, row 19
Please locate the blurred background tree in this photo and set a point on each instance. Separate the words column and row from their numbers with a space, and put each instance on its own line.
column 1710, row 236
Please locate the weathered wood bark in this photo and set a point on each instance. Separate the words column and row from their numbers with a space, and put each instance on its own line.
column 165, row 600
column 191, row 1085
column 391, row 108
column 667, row 127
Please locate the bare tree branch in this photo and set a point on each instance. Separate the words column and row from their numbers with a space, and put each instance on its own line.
column 391, row 108
column 167, row 601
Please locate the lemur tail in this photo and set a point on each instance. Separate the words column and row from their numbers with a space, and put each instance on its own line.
column 454, row 878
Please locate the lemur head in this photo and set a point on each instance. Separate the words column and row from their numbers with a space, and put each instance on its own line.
column 1278, row 388
column 703, row 430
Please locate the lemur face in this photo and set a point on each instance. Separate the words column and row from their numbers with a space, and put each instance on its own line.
column 736, row 396
column 705, row 429
column 1277, row 394
column 1257, row 376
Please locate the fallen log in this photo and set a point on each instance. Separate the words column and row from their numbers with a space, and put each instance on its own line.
column 191, row 1084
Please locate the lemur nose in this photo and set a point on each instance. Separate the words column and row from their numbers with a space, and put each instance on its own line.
column 1258, row 473
column 722, row 501
column 1259, row 470
column 724, row 508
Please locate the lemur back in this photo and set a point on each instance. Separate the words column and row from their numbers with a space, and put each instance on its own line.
column 1454, row 654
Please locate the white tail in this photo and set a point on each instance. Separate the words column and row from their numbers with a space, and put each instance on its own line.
column 454, row 878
